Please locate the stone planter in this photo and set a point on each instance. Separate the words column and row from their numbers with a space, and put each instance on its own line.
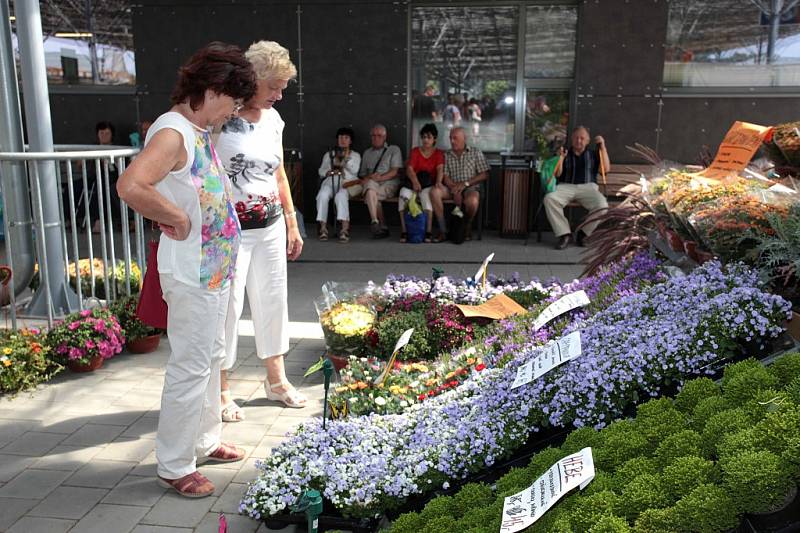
column 144, row 344
column 93, row 364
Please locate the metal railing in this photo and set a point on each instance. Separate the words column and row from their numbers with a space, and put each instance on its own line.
column 85, row 178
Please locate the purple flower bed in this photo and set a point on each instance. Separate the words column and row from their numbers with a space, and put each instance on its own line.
column 667, row 332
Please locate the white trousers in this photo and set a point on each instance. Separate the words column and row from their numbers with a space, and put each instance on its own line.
column 190, row 423
column 424, row 198
column 342, row 199
column 261, row 269
column 586, row 194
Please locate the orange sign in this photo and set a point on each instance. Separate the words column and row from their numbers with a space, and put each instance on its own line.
column 736, row 150
column 496, row 308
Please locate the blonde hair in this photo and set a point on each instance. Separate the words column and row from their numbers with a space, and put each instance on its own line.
column 270, row 60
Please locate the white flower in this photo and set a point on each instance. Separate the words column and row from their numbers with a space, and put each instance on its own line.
column 380, row 400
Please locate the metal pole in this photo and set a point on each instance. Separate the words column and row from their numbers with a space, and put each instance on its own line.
column 13, row 178
column 92, row 42
column 40, row 139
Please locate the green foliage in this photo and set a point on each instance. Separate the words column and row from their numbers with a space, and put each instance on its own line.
column 527, row 298
column 744, row 386
column 685, row 474
column 657, row 419
column 657, row 521
column 764, row 401
column 645, row 491
column 24, row 360
column 515, row 480
column 793, row 390
column 736, row 369
column 392, row 325
column 125, row 311
column 706, row 409
column 544, row 460
column 693, row 392
column 408, row 523
column 681, row 444
column 632, row 469
column 706, row 509
column 722, row 423
column 472, row 496
column 439, row 524
column 791, row 457
column 756, row 480
column 589, row 509
column 580, row 439
column 602, row 481
column 610, row 524
column 621, row 441
column 774, row 432
column 732, row 444
column 779, row 250
column 441, row 506
column 786, row 369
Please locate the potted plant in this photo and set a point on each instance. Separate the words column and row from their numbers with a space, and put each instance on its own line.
column 344, row 326
column 141, row 338
column 82, row 341
column 24, row 360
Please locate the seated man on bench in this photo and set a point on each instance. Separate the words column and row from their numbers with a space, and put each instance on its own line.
column 464, row 169
column 576, row 172
column 378, row 176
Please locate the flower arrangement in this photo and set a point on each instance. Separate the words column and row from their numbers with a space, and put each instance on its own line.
column 85, row 267
column 24, row 360
column 83, row 336
column 406, row 383
column 641, row 343
column 124, row 309
column 344, row 326
column 659, row 471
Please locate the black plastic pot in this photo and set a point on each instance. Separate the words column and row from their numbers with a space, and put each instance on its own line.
column 784, row 520
column 327, row 522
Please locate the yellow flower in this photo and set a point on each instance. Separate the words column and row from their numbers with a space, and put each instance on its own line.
column 396, row 389
column 449, row 375
column 7, row 351
column 470, row 360
column 341, row 389
column 6, row 361
column 419, row 367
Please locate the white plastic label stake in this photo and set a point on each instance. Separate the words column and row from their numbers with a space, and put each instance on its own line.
column 401, row 342
column 482, row 269
column 561, row 306
column 554, row 354
column 526, row 507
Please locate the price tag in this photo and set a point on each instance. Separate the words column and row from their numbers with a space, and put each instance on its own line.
column 561, row 306
column 401, row 342
column 526, row 507
column 554, row 354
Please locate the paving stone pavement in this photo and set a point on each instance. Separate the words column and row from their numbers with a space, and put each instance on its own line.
column 77, row 454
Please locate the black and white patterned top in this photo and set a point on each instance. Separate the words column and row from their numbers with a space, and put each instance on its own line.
column 252, row 153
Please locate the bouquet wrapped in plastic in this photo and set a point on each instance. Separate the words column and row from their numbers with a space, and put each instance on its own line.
column 346, row 314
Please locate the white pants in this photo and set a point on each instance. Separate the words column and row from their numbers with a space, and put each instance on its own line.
column 586, row 194
column 424, row 198
column 261, row 269
column 342, row 199
column 190, row 422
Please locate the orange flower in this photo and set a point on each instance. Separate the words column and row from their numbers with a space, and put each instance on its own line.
column 361, row 385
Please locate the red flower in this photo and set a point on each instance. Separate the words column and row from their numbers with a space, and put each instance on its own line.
column 480, row 367
column 421, row 397
column 454, row 383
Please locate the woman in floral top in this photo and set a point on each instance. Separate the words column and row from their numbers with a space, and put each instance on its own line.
column 179, row 182
column 251, row 148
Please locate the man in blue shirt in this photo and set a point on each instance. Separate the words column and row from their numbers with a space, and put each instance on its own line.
column 576, row 172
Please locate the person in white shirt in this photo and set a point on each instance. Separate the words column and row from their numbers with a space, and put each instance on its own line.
column 251, row 149
column 339, row 174
column 178, row 181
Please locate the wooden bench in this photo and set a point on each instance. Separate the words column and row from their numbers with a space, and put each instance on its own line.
column 618, row 177
column 401, row 174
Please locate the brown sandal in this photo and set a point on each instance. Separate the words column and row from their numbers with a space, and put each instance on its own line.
column 194, row 485
column 225, row 453
column 344, row 236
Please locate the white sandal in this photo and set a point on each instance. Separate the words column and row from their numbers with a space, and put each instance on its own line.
column 231, row 412
column 290, row 398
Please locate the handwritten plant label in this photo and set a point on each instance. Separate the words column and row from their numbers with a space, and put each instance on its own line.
column 399, row 345
column 736, row 150
column 497, row 307
column 526, row 507
column 561, row 351
column 482, row 270
column 561, row 306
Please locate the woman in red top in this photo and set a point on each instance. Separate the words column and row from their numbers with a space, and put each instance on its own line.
column 424, row 169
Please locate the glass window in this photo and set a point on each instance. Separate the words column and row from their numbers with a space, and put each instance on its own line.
column 464, row 64
column 546, row 120
column 731, row 43
column 550, row 36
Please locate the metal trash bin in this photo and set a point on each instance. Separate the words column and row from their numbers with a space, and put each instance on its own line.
column 517, row 172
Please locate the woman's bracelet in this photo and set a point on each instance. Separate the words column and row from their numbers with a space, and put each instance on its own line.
column 290, row 214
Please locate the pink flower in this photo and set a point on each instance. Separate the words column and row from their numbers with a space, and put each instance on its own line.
column 76, row 353
column 74, row 325
column 62, row 349
column 89, row 344
column 100, row 326
column 230, row 228
column 86, row 312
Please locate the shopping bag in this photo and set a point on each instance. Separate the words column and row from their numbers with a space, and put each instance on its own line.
column 457, row 226
column 415, row 227
column 549, row 182
column 152, row 309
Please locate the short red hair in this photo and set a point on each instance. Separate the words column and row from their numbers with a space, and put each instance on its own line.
column 218, row 67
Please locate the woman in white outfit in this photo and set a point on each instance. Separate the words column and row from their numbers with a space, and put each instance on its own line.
column 179, row 182
column 339, row 174
column 251, row 149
